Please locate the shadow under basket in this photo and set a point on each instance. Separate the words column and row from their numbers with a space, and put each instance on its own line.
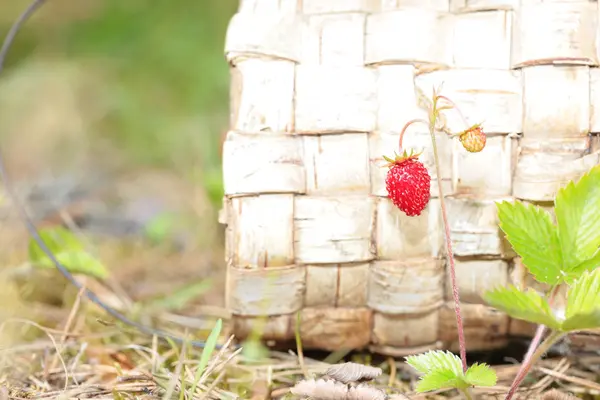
column 320, row 91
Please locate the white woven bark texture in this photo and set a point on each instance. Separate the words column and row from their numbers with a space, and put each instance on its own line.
column 320, row 90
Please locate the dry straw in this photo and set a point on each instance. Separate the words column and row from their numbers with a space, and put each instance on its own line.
column 320, row 90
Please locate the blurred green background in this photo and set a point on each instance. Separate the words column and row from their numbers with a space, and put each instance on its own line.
column 133, row 94
column 157, row 71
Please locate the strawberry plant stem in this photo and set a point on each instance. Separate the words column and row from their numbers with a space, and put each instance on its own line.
column 554, row 337
column 409, row 123
column 433, row 113
column 455, row 292
column 528, row 359
column 453, row 104
column 526, row 364
column 467, row 394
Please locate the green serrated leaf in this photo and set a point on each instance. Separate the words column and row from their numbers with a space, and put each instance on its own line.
column 578, row 219
column 435, row 360
column 580, row 322
column 480, row 375
column 584, row 295
column 525, row 305
column 583, row 303
column 440, row 379
column 441, row 369
column 534, row 237
column 587, row 265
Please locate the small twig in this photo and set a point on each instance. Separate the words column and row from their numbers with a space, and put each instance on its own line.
column 214, row 384
column 548, row 380
column 154, row 361
column 573, row 379
column 173, row 381
column 40, row 327
column 299, row 345
column 68, row 325
column 392, row 378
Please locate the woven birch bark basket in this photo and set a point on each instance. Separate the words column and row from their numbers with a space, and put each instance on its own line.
column 320, row 90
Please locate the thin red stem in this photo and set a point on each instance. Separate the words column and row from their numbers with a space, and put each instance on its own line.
column 455, row 291
column 409, row 123
column 453, row 104
column 526, row 365
column 527, row 360
column 554, row 337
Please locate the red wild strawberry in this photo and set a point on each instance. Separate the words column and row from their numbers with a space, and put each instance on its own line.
column 408, row 184
column 473, row 139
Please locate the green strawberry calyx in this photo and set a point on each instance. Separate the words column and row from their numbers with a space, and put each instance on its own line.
column 400, row 158
column 468, row 130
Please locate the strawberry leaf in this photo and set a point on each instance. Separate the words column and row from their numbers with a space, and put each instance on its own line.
column 578, row 219
column 580, row 322
column 587, row 265
column 583, row 303
column 435, row 360
column 526, row 305
column 533, row 236
column 443, row 370
column 480, row 375
column 440, row 379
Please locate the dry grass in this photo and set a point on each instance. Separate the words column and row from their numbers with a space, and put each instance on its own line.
column 111, row 362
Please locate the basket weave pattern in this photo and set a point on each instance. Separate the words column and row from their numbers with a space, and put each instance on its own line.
column 320, row 90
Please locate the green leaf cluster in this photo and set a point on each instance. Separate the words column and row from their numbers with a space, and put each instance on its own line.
column 557, row 253
column 443, row 370
column 68, row 250
column 567, row 252
column 582, row 309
